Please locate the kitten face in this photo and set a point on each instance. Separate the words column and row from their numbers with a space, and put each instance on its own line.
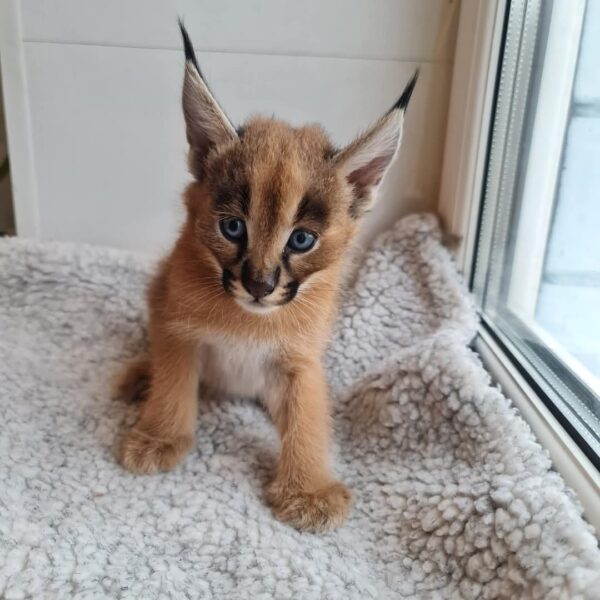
column 276, row 213
column 276, row 206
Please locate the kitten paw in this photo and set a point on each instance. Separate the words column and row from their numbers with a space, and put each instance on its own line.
column 142, row 453
column 317, row 511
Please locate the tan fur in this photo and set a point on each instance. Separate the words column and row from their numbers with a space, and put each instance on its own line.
column 206, row 327
column 132, row 383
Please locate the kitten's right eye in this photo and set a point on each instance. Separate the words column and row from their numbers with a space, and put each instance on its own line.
column 233, row 229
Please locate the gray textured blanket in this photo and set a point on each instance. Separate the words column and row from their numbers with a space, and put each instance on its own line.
column 453, row 495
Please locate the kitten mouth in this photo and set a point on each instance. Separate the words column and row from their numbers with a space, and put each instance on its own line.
column 256, row 307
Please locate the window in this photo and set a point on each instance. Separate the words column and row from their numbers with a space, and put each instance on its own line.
column 537, row 261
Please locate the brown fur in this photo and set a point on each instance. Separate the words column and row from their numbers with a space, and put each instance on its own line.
column 203, row 324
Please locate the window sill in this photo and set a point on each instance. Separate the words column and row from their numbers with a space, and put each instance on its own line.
column 576, row 469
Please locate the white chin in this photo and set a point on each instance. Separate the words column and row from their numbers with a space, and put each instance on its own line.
column 255, row 308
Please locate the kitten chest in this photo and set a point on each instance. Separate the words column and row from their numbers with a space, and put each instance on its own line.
column 239, row 368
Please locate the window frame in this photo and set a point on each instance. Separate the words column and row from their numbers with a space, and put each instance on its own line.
column 481, row 33
column 549, row 130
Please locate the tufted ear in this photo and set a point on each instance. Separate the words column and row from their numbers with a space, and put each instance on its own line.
column 206, row 124
column 365, row 161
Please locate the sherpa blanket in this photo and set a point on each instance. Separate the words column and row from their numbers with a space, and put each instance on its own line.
column 453, row 496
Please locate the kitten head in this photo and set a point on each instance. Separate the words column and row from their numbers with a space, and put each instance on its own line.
column 276, row 206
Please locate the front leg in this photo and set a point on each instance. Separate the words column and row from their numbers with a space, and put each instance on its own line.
column 304, row 493
column 164, row 432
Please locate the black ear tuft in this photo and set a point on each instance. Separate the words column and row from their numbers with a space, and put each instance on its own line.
column 407, row 93
column 189, row 48
column 206, row 124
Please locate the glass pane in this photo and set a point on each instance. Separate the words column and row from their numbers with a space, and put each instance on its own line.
column 537, row 273
column 569, row 295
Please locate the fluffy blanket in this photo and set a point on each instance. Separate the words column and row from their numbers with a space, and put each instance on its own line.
column 453, row 495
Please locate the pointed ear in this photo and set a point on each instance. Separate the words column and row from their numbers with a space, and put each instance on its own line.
column 206, row 124
column 365, row 161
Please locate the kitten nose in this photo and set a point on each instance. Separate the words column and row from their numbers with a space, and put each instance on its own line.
column 259, row 287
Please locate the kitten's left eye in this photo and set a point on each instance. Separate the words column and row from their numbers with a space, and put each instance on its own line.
column 301, row 241
column 233, row 229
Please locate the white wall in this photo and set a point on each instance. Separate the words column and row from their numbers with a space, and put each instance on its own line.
column 103, row 130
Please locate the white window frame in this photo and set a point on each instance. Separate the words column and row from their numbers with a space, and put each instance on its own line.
column 549, row 129
column 478, row 43
column 480, row 31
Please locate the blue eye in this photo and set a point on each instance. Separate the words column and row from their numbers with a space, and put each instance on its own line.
column 301, row 241
column 233, row 229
